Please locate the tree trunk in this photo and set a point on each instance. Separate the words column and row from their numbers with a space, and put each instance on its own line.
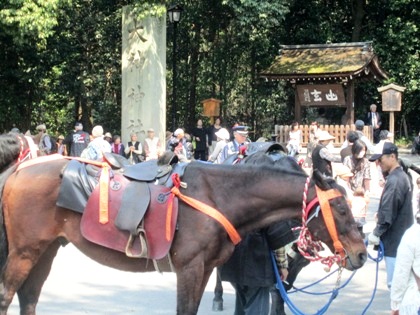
column 192, row 100
column 358, row 12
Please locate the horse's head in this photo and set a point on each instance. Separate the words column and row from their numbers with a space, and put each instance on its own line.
column 14, row 148
column 340, row 233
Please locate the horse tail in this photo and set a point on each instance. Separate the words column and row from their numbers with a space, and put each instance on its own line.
column 4, row 250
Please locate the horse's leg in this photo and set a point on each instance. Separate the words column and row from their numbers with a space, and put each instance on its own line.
column 14, row 275
column 218, row 293
column 191, row 282
column 30, row 290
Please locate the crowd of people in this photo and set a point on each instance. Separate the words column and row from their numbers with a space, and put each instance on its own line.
column 351, row 169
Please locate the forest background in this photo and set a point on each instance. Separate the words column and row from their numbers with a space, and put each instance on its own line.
column 60, row 60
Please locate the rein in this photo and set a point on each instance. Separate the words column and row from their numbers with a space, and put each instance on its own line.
column 308, row 247
column 206, row 209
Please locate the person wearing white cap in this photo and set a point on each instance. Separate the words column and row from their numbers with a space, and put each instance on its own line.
column 177, row 144
column 152, row 146
column 240, row 135
column 223, row 137
column 321, row 155
column 98, row 146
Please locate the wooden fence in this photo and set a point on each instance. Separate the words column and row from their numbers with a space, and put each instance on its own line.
column 338, row 131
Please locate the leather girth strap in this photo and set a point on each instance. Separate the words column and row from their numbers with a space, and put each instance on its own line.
column 206, row 209
column 324, row 197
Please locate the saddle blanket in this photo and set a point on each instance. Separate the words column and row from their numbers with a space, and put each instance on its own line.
column 159, row 224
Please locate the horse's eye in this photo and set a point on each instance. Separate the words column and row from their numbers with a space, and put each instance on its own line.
column 341, row 206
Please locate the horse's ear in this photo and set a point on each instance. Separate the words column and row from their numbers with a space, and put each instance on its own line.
column 319, row 180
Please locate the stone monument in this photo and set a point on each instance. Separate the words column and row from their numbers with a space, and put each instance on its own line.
column 143, row 76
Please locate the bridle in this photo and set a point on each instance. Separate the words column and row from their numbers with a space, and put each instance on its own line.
column 306, row 244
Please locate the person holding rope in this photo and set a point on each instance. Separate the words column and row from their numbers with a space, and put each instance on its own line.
column 395, row 214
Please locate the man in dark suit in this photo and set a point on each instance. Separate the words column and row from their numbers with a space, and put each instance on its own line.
column 374, row 119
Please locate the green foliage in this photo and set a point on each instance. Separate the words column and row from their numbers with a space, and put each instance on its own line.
column 403, row 142
column 28, row 20
column 60, row 61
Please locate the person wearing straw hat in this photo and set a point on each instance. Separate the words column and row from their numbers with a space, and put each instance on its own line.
column 61, row 147
column 43, row 140
column 322, row 157
column 223, row 137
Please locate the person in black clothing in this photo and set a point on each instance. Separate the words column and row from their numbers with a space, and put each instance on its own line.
column 322, row 157
column 77, row 141
column 416, row 145
column 199, row 135
column 395, row 213
column 374, row 119
column 250, row 269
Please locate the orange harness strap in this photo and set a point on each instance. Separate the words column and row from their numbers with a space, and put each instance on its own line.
column 103, row 179
column 324, row 197
column 103, row 187
column 38, row 160
column 206, row 209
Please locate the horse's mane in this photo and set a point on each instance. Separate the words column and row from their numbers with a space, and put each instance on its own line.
column 254, row 170
column 333, row 184
column 9, row 150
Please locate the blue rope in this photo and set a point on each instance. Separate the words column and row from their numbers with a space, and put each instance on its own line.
column 325, row 292
column 334, row 292
column 312, row 284
column 286, row 299
column 377, row 260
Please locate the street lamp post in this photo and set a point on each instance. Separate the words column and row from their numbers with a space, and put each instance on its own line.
column 174, row 14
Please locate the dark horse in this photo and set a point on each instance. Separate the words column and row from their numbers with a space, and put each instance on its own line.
column 33, row 227
column 15, row 148
column 266, row 153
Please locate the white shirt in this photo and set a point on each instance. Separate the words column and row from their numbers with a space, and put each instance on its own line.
column 405, row 294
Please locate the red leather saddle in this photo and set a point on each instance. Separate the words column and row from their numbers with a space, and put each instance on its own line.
column 157, row 227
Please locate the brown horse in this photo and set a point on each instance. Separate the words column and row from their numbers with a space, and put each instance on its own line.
column 250, row 197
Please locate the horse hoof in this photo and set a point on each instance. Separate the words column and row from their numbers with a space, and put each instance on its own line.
column 217, row 306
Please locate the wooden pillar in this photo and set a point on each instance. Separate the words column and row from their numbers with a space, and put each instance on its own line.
column 350, row 101
column 297, row 107
column 391, row 122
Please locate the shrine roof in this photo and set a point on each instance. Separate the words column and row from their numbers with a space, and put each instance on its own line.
column 338, row 61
